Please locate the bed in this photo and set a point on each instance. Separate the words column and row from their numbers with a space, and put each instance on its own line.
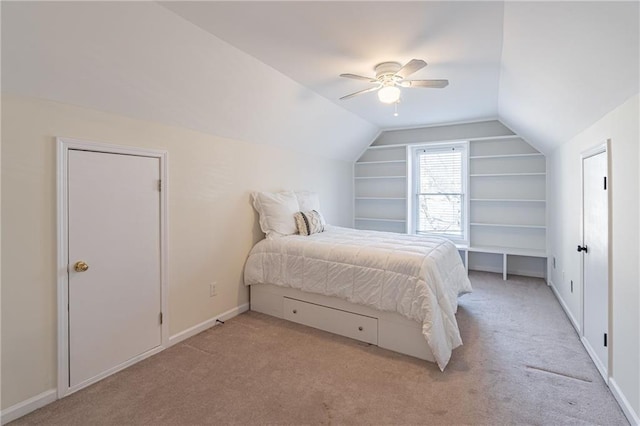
column 397, row 291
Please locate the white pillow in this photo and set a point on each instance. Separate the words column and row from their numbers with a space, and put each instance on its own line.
column 308, row 201
column 276, row 210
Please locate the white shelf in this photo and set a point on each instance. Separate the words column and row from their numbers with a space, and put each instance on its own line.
column 503, row 250
column 373, row 219
column 507, row 174
column 382, row 198
column 504, row 225
column 508, row 250
column 507, row 200
column 381, row 162
column 380, row 177
column 479, row 139
column 536, row 154
column 396, row 145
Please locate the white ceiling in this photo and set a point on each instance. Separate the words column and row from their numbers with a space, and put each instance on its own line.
column 268, row 72
column 314, row 42
column 565, row 65
column 546, row 69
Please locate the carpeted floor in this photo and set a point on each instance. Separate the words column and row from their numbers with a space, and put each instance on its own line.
column 521, row 363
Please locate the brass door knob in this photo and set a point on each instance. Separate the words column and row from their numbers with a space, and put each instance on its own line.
column 80, row 266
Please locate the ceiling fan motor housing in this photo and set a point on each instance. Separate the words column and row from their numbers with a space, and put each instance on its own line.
column 386, row 70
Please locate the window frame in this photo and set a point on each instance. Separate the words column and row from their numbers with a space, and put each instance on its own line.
column 412, row 181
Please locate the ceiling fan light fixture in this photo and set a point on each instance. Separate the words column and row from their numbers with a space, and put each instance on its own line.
column 390, row 77
column 389, row 94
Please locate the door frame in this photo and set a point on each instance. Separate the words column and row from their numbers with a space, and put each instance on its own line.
column 604, row 370
column 63, row 146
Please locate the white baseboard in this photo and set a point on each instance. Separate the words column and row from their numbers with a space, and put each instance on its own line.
column 495, row 270
column 526, row 273
column 592, row 354
column 565, row 308
column 628, row 411
column 199, row 328
column 25, row 407
column 481, row 268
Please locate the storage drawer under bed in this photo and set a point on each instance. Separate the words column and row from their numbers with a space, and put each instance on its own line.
column 348, row 324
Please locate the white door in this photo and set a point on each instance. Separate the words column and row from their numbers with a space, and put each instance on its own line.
column 114, row 227
column 595, row 257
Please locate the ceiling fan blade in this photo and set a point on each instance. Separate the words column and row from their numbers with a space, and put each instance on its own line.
column 411, row 67
column 359, row 77
column 434, row 84
column 371, row 89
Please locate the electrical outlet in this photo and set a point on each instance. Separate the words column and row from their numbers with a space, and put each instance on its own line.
column 213, row 290
column 554, row 262
column 571, row 286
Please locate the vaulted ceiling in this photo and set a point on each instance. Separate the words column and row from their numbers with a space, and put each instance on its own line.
column 268, row 72
column 546, row 69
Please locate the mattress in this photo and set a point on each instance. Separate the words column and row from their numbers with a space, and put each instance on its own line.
column 419, row 277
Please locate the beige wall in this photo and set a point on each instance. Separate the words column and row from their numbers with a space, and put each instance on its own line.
column 212, row 225
column 564, row 196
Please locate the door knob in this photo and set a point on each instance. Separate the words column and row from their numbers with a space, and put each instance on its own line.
column 80, row 266
column 582, row 248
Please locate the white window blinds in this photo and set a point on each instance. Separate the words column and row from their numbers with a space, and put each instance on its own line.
column 439, row 191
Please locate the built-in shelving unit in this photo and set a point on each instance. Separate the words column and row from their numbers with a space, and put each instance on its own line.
column 508, row 201
column 507, row 194
column 381, row 189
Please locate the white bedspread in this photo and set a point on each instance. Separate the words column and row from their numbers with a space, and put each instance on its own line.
column 419, row 277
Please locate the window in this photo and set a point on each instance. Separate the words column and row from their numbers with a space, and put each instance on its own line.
column 439, row 185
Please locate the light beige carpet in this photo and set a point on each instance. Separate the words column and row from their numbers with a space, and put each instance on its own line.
column 521, row 363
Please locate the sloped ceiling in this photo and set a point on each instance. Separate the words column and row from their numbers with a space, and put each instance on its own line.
column 314, row 42
column 546, row 69
column 565, row 65
column 140, row 60
column 268, row 72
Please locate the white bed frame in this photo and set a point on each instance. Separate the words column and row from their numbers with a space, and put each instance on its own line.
column 387, row 330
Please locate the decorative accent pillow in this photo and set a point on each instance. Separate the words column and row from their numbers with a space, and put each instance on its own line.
column 276, row 210
column 308, row 201
column 310, row 222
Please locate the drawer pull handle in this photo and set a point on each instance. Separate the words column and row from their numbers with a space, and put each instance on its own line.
column 360, row 328
column 295, row 311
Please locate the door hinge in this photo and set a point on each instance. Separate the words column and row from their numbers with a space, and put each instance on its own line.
column 159, row 185
column 605, row 340
column 605, row 183
column 161, row 319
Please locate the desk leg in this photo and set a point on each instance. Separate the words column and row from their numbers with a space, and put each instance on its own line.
column 504, row 266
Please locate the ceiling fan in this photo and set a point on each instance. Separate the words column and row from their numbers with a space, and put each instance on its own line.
column 390, row 76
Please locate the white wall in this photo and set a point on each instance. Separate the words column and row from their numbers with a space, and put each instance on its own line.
column 212, row 225
column 139, row 59
column 136, row 74
column 564, row 197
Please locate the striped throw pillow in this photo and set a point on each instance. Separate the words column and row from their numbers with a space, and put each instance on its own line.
column 310, row 222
